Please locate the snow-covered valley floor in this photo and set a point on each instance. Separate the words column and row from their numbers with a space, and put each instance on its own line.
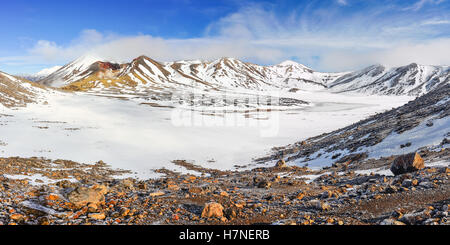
column 135, row 134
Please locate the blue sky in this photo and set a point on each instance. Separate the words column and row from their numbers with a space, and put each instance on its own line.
column 327, row 35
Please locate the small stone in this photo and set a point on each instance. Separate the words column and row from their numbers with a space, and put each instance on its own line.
column 173, row 187
column 212, row 209
column 142, row 186
column 52, row 197
column 407, row 183
column 92, row 207
column 127, row 183
column 326, row 206
column 262, row 182
column 317, row 204
column 391, row 222
column 157, row 194
column 426, row 184
column 391, row 189
column 300, row 196
column 240, row 205
column 97, row 216
column 16, row 217
column 195, row 190
column 326, row 194
column 230, row 213
column 124, row 212
column 281, row 164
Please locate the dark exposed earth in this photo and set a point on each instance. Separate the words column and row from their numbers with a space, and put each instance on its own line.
column 74, row 194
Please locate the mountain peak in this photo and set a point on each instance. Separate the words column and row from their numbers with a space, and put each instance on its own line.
column 86, row 61
column 47, row 71
column 288, row 63
column 142, row 57
column 89, row 57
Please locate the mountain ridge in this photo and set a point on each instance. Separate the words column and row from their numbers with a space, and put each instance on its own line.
column 144, row 73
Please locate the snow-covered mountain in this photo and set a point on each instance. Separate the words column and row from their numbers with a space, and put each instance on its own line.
column 71, row 72
column 15, row 91
column 41, row 74
column 412, row 79
column 144, row 73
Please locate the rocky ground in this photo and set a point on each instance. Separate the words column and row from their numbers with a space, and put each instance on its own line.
column 69, row 193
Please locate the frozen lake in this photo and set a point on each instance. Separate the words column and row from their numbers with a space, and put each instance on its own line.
column 141, row 137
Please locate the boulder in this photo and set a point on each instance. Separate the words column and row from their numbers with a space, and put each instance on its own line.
column 261, row 182
column 407, row 163
column 281, row 164
column 127, row 183
column 319, row 205
column 83, row 196
column 212, row 209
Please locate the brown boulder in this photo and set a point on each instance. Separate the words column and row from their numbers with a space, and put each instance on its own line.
column 281, row 164
column 82, row 196
column 212, row 209
column 407, row 163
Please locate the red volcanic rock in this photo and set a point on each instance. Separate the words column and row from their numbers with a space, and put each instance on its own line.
column 107, row 66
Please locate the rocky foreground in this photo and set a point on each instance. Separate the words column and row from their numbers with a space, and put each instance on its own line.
column 69, row 193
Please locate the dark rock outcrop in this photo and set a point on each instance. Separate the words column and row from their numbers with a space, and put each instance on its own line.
column 407, row 163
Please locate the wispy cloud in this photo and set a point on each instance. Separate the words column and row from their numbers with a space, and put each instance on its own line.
column 422, row 3
column 342, row 2
column 322, row 38
column 435, row 22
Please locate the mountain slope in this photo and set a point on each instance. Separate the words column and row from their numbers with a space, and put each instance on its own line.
column 145, row 74
column 412, row 80
column 423, row 122
column 74, row 71
column 17, row 91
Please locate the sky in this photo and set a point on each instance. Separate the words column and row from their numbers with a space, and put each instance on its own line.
column 326, row 35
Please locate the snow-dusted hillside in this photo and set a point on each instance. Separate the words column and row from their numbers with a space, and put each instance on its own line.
column 15, row 91
column 71, row 72
column 423, row 122
column 412, row 80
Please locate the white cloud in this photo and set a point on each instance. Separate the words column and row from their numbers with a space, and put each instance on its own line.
column 433, row 52
column 435, row 22
column 421, row 3
column 342, row 2
column 320, row 38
